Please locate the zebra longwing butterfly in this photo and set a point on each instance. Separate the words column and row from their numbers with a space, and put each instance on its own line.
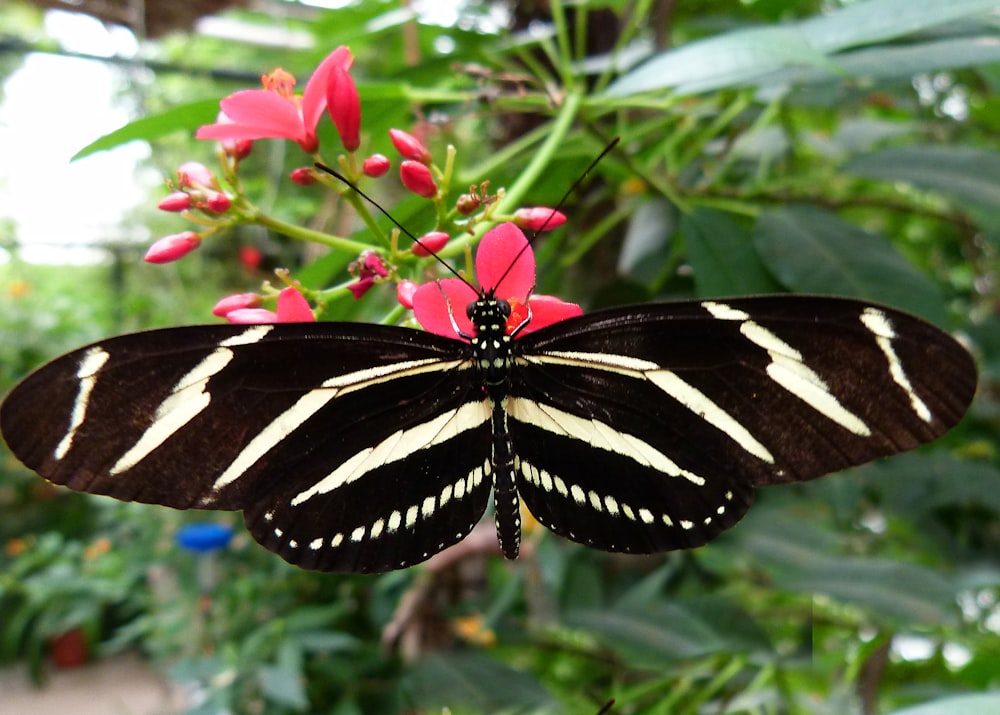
column 366, row 448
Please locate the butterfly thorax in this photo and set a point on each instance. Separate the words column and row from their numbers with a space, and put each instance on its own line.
column 491, row 344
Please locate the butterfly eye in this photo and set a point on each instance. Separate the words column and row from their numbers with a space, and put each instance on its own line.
column 469, row 310
column 504, row 308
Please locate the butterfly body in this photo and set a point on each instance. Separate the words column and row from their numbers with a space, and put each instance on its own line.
column 364, row 448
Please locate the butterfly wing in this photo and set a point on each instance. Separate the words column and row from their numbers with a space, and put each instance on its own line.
column 342, row 443
column 646, row 428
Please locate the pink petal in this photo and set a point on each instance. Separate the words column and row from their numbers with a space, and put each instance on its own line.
column 293, row 307
column 314, row 96
column 232, row 132
column 265, row 110
column 546, row 310
column 430, row 307
column 252, row 316
column 345, row 108
column 496, row 253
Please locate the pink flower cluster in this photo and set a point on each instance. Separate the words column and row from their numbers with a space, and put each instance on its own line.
column 505, row 264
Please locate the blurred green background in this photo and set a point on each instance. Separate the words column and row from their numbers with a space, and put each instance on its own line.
column 822, row 147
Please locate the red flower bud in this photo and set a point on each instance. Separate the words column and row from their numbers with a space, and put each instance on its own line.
column 417, row 178
column 194, row 174
column 250, row 257
column 404, row 293
column 539, row 218
column 303, row 176
column 344, row 105
column 252, row 316
column 170, row 248
column 239, row 301
column 237, row 148
column 409, row 146
column 430, row 243
column 177, row 201
column 216, row 202
column 375, row 166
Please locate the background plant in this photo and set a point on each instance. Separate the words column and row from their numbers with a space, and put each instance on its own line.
column 776, row 147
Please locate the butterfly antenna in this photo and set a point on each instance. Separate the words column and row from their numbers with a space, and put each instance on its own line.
column 397, row 224
column 562, row 202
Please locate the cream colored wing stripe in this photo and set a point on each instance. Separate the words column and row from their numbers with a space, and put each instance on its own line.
column 881, row 327
column 90, row 366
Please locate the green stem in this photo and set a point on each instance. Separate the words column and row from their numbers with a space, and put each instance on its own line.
column 300, row 233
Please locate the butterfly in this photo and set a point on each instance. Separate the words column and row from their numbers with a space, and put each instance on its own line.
column 365, row 448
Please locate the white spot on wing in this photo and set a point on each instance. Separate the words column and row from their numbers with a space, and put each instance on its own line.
column 91, row 364
column 881, row 327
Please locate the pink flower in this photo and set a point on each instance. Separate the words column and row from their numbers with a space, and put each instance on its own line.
column 345, row 107
column 417, row 178
column 239, row 301
column 430, row 243
column 276, row 111
column 409, row 146
column 375, row 166
column 539, row 218
column 500, row 250
column 171, row 248
column 368, row 267
column 292, row 308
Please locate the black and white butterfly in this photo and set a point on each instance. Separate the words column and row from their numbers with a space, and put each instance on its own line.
column 366, row 448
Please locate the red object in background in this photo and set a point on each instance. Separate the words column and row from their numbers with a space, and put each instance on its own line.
column 69, row 650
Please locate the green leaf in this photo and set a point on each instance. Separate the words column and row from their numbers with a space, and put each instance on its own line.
column 646, row 237
column 815, row 251
column 468, row 682
column 978, row 704
column 187, row 117
column 874, row 21
column 283, row 686
column 968, row 173
column 722, row 255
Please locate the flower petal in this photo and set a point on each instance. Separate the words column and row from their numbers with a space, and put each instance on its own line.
column 546, row 310
column 314, row 96
column 430, row 306
column 252, row 316
column 265, row 110
column 293, row 307
column 498, row 252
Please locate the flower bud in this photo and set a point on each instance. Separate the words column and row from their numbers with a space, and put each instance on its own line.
column 239, row 301
column 404, row 293
column 293, row 307
column 375, row 166
column 177, row 201
column 344, row 105
column 417, row 178
column 303, row 176
column 539, row 218
column 250, row 257
column 252, row 316
column 430, row 243
column 194, row 174
column 409, row 146
column 171, row 248
column 373, row 264
column 216, row 202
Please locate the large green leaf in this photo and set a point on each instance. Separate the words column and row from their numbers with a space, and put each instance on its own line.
column 968, row 173
column 815, row 251
column 746, row 55
column 470, row 682
column 647, row 636
column 722, row 255
column 187, row 117
column 978, row 704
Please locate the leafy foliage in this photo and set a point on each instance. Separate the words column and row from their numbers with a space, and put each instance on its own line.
column 775, row 147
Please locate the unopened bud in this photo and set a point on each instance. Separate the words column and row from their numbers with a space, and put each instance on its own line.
column 539, row 218
column 303, row 176
column 217, row 202
column 375, row 166
column 194, row 174
column 238, row 301
column 409, row 146
column 171, row 248
column 404, row 293
column 417, row 178
column 177, row 201
column 430, row 243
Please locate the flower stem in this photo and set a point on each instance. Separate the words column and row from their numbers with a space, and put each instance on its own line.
column 300, row 233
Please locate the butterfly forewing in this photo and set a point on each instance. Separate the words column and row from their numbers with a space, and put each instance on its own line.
column 344, row 443
column 645, row 428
